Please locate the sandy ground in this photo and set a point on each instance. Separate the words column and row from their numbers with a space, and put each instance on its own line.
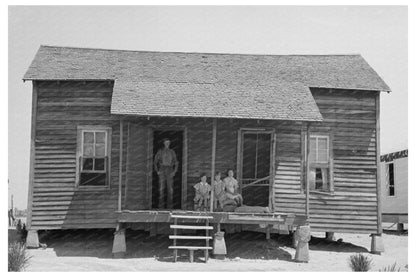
column 247, row 251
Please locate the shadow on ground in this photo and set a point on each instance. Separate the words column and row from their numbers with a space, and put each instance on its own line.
column 244, row 245
column 321, row 244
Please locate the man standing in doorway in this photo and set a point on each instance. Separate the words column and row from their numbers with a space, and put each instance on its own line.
column 166, row 166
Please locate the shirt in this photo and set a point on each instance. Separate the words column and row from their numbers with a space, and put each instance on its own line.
column 202, row 188
column 165, row 157
column 219, row 187
column 230, row 184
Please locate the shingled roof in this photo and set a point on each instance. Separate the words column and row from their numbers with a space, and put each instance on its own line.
column 197, row 84
column 286, row 101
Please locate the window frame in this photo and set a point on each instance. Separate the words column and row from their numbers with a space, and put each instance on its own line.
column 329, row 165
column 388, row 178
column 81, row 129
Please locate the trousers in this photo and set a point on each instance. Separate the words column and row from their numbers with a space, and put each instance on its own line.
column 165, row 184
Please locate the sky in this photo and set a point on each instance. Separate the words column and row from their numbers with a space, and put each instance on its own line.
column 378, row 33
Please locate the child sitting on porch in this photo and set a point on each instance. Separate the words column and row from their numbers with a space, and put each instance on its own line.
column 231, row 186
column 202, row 193
column 219, row 191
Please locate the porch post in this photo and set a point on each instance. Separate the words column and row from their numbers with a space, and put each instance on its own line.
column 302, row 234
column 214, row 146
column 308, row 136
column 120, row 166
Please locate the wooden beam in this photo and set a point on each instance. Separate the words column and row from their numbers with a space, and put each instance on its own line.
column 185, row 169
column 120, row 166
column 308, row 137
column 149, row 179
column 127, row 166
column 32, row 154
column 379, row 216
column 272, row 170
column 214, row 148
column 239, row 162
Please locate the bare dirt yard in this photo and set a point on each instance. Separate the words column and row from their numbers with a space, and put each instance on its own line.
column 247, row 251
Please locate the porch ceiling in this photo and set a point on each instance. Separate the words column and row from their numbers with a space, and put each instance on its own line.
column 282, row 101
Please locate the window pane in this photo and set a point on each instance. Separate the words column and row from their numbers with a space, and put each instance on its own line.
column 99, row 164
column 391, row 179
column 88, row 137
column 88, row 149
column 93, row 179
column 322, row 143
column 87, row 163
column 312, row 178
column 100, row 150
column 99, row 137
column 319, row 179
column 322, row 156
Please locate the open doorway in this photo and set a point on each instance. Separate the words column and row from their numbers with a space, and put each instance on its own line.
column 256, row 165
column 176, row 138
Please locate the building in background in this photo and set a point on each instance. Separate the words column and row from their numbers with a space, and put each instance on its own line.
column 394, row 188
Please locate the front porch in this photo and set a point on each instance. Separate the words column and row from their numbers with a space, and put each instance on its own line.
column 157, row 222
column 247, row 146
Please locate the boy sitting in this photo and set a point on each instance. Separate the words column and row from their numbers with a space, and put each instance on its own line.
column 202, row 193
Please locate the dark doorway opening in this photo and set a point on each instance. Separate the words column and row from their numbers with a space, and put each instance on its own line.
column 256, row 165
column 176, row 139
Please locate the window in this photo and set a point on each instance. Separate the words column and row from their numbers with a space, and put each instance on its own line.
column 319, row 163
column 390, row 179
column 93, row 159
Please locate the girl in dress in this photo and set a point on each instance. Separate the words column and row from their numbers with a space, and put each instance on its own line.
column 231, row 187
column 219, row 191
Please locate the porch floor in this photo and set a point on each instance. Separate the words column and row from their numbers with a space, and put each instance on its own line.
column 156, row 216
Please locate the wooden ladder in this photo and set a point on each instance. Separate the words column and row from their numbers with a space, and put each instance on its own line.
column 191, row 249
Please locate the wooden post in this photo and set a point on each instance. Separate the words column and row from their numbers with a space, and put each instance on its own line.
column 268, row 232
column 127, row 166
column 272, row 170
column 378, row 176
column 239, row 162
column 32, row 154
column 308, row 137
column 191, row 255
column 175, row 233
column 120, row 166
column 214, row 146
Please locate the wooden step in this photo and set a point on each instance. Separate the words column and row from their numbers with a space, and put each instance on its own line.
column 191, row 247
column 189, row 227
column 190, row 237
column 191, row 216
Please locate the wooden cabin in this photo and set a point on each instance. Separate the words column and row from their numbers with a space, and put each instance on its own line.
column 394, row 196
column 300, row 131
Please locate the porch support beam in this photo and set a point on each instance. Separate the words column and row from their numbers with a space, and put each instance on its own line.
column 214, row 148
column 308, row 136
column 120, row 166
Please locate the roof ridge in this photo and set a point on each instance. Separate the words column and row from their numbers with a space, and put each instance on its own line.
column 202, row 53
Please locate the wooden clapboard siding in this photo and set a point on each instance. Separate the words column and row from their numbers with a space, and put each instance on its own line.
column 56, row 202
column 137, row 168
column 350, row 118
